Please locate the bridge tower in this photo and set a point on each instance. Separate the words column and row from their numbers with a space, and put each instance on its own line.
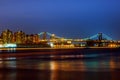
column 100, row 38
column 44, row 37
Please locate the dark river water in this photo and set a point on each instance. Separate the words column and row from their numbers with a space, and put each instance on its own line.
column 94, row 68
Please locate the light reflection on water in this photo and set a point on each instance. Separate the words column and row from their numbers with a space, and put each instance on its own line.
column 73, row 69
column 63, row 65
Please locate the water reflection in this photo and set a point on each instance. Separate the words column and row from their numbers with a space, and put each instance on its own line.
column 54, row 70
column 11, row 49
column 37, row 69
column 63, row 65
column 4, row 75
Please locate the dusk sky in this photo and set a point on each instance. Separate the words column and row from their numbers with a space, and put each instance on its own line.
column 65, row 18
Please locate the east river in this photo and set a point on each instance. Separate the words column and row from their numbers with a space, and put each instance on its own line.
column 106, row 67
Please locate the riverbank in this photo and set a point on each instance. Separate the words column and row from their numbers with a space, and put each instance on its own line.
column 56, row 53
column 44, row 48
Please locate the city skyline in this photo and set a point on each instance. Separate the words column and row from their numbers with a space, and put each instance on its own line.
column 66, row 18
column 48, row 35
column 46, row 39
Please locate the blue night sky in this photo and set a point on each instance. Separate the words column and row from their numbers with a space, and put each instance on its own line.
column 65, row 18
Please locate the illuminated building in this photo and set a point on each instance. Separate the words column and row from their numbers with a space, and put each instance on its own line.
column 35, row 38
column 112, row 45
column 7, row 36
column 19, row 37
column 29, row 39
column 1, row 41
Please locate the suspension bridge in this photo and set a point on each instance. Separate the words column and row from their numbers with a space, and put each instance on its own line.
column 99, row 39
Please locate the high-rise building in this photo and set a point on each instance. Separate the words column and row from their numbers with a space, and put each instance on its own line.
column 7, row 36
column 29, row 39
column 35, row 38
column 19, row 37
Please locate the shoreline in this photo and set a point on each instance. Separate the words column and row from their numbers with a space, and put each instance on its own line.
column 59, row 48
column 56, row 53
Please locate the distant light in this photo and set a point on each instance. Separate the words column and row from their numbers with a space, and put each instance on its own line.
column 10, row 58
column 53, row 34
column 112, row 45
column 51, row 44
column 69, row 42
column 1, row 46
column 10, row 45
